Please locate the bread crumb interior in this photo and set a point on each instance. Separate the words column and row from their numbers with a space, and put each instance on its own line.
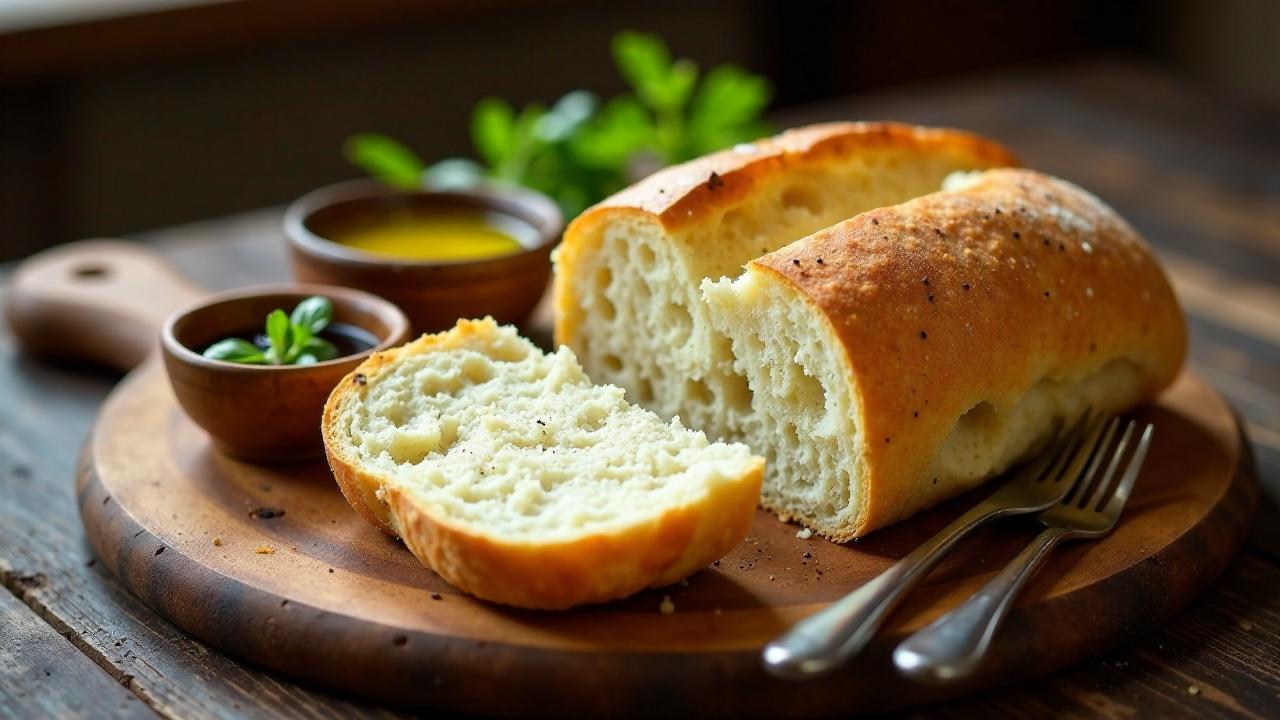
column 520, row 444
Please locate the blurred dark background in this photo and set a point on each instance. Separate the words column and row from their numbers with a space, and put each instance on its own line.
column 119, row 116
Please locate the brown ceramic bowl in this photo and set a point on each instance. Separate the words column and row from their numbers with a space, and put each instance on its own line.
column 433, row 294
column 265, row 412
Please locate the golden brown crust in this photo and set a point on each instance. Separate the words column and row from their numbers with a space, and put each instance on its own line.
column 972, row 296
column 536, row 575
column 685, row 194
column 359, row 489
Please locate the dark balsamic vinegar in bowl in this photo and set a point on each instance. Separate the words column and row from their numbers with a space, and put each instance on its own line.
column 348, row 339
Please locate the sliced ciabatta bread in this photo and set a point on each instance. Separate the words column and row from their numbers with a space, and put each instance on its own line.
column 628, row 272
column 519, row 481
column 906, row 354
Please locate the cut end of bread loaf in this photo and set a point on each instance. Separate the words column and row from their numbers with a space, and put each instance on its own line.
column 513, row 476
column 904, row 356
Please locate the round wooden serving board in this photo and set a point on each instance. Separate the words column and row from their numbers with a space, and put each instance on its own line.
column 270, row 564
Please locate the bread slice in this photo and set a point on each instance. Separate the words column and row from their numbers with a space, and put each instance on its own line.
column 628, row 272
column 906, row 354
column 519, row 481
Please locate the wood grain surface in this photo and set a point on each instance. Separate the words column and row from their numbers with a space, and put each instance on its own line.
column 44, row 673
column 1197, row 174
column 269, row 563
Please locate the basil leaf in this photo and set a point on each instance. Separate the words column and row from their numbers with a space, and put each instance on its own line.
column 278, row 333
column 622, row 127
column 314, row 314
column 726, row 109
column 320, row 349
column 679, row 84
column 525, row 146
column 644, row 62
column 493, row 130
column 235, row 350
column 386, row 159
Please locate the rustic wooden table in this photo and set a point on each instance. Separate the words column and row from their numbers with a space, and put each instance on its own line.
column 1198, row 177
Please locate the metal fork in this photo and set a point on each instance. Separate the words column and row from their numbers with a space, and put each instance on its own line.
column 955, row 644
column 823, row 641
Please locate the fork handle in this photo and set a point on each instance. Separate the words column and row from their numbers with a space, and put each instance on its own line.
column 824, row 640
column 954, row 645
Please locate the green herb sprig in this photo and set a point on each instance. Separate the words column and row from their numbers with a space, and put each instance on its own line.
column 580, row 150
column 290, row 339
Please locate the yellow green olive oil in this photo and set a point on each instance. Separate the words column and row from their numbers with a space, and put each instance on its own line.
column 442, row 236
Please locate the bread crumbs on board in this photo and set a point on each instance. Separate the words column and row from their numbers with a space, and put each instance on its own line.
column 804, row 533
column 265, row 550
column 217, row 542
column 666, row 607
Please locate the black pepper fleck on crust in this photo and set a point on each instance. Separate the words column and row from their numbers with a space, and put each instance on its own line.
column 965, row 286
column 924, row 335
column 1017, row 235
column 819, row 261
column 795, row 261
column 715, row 182
column 360, row 379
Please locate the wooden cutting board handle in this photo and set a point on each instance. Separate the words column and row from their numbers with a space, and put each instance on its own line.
column 100, row 301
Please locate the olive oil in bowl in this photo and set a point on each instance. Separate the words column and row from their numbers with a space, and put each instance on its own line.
column 454, row 235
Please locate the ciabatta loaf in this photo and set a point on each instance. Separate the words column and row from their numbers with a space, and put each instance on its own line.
column 628, row 272
column 904, row 355
column 892, row 342
column 507, row 472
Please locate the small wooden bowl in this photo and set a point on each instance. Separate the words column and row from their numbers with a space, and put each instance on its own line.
column 433, row 294
column 265, row 412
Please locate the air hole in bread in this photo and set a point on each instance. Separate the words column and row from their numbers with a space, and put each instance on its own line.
column 734, row 222
column 645, row 256
column 678, row 319
column 803, row 196
column 612, row 362
column 721, row 348
column 805, row 390
column 980, row 418
column 698, row 391
column 606, row 307
column 644, row 391
column 591, row 417
column 736, row 395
